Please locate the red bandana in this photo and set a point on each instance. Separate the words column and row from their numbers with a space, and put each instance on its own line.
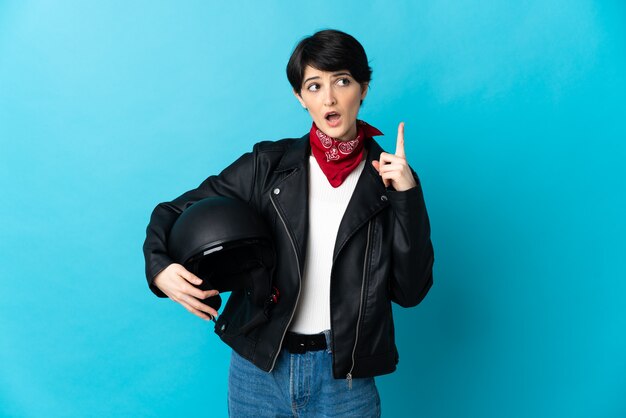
column 337, row 158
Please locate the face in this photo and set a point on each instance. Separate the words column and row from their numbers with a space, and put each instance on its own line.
column 333, row 100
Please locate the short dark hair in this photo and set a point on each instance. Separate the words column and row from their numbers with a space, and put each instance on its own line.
column 328, row 50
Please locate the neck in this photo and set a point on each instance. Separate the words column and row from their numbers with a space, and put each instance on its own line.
column 350, row 135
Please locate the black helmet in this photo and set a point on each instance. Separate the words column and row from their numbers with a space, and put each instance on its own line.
column 227, row 244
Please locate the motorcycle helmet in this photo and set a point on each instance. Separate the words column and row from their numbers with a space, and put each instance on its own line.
column 227, row 244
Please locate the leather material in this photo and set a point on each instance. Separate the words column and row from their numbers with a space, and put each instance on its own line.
column 383, row 253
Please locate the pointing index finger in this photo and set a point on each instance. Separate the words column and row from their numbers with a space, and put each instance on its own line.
column 400, row 141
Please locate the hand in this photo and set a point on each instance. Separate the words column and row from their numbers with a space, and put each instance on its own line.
column 393, row 168
column 176, row 282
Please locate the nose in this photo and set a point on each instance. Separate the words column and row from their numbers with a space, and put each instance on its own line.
column 329, row 97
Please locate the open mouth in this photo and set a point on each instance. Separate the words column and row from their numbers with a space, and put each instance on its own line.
column 332, row 117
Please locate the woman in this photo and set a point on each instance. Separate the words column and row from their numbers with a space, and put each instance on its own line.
column 351, row 234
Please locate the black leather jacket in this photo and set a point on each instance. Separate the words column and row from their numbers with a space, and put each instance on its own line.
column 383, row 253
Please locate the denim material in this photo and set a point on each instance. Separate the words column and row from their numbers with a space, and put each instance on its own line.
column 301, row 385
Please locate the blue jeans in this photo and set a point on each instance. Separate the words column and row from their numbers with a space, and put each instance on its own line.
column 301, row 385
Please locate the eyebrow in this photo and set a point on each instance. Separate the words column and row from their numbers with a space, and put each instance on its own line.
column 334, row 75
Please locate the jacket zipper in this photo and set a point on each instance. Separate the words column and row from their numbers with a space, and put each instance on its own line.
column 358, row 322
column 299, row 282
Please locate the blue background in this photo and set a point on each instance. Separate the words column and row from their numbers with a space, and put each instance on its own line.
column 514, row 118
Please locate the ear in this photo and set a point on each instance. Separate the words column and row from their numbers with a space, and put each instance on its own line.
column 364, row 90
column 295, row 93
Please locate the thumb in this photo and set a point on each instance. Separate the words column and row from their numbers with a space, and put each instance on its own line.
column 376, row 165
column 190, row 277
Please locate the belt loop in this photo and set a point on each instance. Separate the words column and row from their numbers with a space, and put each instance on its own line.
column 327, row 334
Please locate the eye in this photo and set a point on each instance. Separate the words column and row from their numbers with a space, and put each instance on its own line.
column 344, row 81
column 313, row 87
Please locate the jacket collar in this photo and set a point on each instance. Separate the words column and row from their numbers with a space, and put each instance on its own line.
column 368, row 199
column 296, row 156
column 369, row 195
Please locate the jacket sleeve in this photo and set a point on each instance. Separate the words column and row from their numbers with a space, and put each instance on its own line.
column 412, row 256
column 235, row 181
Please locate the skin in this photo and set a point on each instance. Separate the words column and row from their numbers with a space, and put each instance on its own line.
column 393, row 168
column 178, row 284
column 324, row 91
column 321, row 92
column 337, row 91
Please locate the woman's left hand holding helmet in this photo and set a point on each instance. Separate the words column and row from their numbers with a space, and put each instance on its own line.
column 393, row 168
